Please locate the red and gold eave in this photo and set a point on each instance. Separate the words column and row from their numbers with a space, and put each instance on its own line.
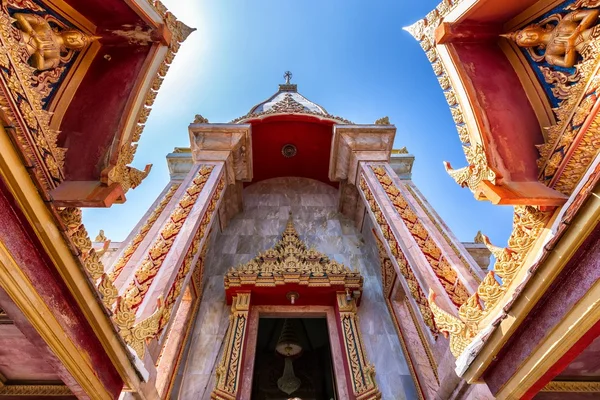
column 524, row 151
column 99, row 106
column 79, row 135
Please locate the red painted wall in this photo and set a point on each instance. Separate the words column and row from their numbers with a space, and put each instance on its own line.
column 105, row 13
column 92, row 120
column 311, row 137
column 506, row 115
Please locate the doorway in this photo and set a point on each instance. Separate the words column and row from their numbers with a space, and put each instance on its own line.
column 293, row 360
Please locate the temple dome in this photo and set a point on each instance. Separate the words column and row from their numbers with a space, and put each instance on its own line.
column 290, row 98
column 287, row 101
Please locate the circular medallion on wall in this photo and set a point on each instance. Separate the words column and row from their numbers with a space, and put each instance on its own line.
column 289, row 150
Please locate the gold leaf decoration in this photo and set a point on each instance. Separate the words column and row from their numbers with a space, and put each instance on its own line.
column 290, row 261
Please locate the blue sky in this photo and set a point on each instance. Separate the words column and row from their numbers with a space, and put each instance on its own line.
column 352, row 57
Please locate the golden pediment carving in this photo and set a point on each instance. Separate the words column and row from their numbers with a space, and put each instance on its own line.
column 291, row 261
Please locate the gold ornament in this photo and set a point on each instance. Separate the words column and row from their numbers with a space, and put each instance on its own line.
column 407, row 272
column 108, row 291
column 229, row 368
column 127, row 176
column 476, row 172
column 190, row 255
column 139, row 237
column 432, row 252
column 137, row 335
column 563, row 42
column 199, row 119
column 452, row 327
column 362, row 373
column 151, row 264
column 44, row 45
column 290, row 261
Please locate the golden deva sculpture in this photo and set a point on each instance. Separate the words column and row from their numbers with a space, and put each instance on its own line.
column 563, row 41
column 45, row 45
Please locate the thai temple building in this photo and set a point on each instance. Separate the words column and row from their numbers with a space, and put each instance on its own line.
column 291, row 256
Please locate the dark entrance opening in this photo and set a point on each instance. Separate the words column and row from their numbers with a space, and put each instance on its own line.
column 306, row 341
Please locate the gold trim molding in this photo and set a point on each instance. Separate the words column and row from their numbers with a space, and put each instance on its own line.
column 127, row 305
column 437, row 260
column 405, row 268
column 229, row 368
column 141, row 234
column 35, row 390
column 572, row 387
column 362, row 372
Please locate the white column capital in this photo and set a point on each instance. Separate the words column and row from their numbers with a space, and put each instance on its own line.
column 352, row 144
column 230, row 143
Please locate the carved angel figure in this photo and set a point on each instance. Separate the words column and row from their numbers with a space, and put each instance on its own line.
column 563, row 41
column 44, row 45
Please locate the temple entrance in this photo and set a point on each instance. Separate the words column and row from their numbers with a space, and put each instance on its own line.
column 293, row 360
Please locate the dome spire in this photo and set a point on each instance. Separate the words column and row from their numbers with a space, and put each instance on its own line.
column 288, row 86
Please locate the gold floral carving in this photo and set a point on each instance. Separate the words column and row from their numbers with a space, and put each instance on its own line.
column 133, row 296
column 71, row 218
column 424, row 32
column 442, row 231
column 438, row 262
column 22, row 93
column 476, row 172
column 560, row 82
column 128, row 177
column 137, row 335
column 186, row 265
column 362, row 373
column 383, row 121
column 108, row 291
column 581, row 158
column 229, row 368
column 451, row 326
column 388, row 278
column 290, row 261
column 527, row 227
column 406, row 270
column 35, row 390
column 572, row 387
column 78, row 235
column 141, row 234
